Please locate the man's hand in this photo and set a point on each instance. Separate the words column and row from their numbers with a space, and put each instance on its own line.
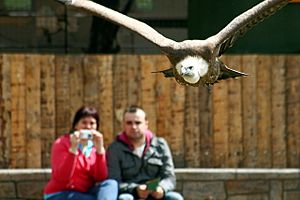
column 142, row 191
column 158, row 193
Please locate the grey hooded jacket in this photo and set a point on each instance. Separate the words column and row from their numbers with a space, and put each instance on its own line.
column 130, row 170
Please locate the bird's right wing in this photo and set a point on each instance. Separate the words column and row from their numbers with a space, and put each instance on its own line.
column 141, row 28
column 245, row 21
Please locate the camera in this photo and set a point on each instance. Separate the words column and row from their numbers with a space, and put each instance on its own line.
column 86, row 134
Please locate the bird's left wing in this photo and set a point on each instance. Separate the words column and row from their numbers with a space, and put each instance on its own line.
column 245, row 21
column 165, row 44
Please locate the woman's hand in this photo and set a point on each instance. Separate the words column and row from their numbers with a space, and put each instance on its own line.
column 74, row 139
column 98, row 142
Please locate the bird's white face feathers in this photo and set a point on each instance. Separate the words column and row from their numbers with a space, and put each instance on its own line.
column 192, row 68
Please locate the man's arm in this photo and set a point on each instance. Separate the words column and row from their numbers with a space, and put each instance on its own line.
column 168, row 181
column 114, row 169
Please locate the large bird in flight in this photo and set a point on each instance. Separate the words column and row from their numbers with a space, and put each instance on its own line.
column 194, row 62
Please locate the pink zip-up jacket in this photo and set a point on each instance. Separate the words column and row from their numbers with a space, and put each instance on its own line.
column 74, row 172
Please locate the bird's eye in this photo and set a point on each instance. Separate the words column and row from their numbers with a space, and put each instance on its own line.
column 190, row 67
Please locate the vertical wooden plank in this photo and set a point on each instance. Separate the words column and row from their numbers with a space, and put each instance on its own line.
column 278, row 112
column 33, row 111
column 3, row 144
column 5, row 110
column 63, row 116
column 90, row 80
column 47, row 107
column 106, row 98
column 192, row 129
column 249, row 111
column 220, row 123
column 148, row 84
column 76, row 76
column 177, row 122
column 18, row 146
column 134, row 80
column 163, row 109
column 235, row 128
column 206, row 131
column 293, row 110
column 2, row 136
column 120, row 89
column 264, row 131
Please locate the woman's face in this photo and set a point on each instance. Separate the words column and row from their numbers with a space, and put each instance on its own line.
column 89, row 123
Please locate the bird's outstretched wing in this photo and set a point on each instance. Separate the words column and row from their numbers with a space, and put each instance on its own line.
column 165, row 44
column 245, row 21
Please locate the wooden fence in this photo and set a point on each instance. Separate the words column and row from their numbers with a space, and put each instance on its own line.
column 246, row 122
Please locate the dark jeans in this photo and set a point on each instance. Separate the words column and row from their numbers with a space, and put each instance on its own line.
column 107, row 190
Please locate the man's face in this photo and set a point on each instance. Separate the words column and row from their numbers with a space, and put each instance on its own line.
column 135, row 125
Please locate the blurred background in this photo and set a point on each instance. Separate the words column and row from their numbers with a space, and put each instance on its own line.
column 54, row 58
column 51, row 27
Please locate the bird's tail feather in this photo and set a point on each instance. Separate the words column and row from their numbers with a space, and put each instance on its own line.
column 167, row 72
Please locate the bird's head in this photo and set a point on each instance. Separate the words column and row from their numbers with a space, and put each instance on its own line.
column 192, row 68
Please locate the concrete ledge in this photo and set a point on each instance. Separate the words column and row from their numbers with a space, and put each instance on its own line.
column 193, row 183
column 226, row 174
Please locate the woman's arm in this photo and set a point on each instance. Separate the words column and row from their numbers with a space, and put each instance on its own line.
column 63, row 161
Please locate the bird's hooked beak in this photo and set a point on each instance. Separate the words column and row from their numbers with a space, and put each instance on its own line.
column 186, row 71
column 192, row 68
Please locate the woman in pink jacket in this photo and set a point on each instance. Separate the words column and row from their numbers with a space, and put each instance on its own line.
column 78, row 163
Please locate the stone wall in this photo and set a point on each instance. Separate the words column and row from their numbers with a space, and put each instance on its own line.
column 239, row 184
column 194, row 184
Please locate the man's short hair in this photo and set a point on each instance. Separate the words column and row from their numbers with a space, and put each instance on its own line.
column 134, row 109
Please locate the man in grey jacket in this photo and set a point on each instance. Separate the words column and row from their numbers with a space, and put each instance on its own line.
column 141, row 162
